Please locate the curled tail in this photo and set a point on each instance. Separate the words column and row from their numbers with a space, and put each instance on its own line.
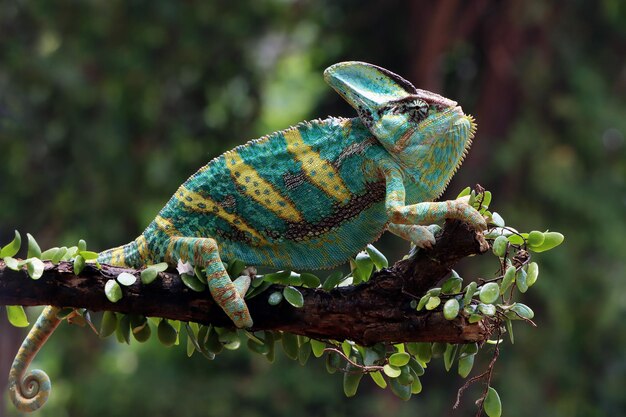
column 29, row 392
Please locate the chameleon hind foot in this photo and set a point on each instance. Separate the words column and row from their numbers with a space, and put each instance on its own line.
column 227, row 294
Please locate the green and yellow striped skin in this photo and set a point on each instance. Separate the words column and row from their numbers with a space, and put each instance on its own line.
column 313, row 195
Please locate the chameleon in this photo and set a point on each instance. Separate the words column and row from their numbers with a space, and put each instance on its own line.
column 304, row 198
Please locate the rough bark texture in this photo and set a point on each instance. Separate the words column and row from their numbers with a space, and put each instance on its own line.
column 376, row 311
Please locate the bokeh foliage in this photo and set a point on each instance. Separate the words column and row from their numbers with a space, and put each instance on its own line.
column 106, row 107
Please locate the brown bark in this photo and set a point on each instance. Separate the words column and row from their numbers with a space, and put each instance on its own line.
column 376, row 311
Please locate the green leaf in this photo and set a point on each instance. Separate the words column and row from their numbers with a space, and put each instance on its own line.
column 487, row 309
column 432, row 303
column 318, row 348
column 422, row 302
column 12, row 248
column 499, row 246
column 452, row 285
column 88, row 255
column 466, row 191
column 380, row 261
column 79, row 264
column 346, row 346
column 17, row 316
column 469, row 293
column 416, row 367
column 489, row 293
column 12, row 263
column 475, row 318
column 290, row 345
column 35, row 268
column 351, row 380
column 451, row 309
column 515, row 239
column 236, row 267
column 143, row 332
column 497, row 219
column 492, row 404
column 508, row 280
column 399, row 359
column 406, row 375
column 108, row 324
column 378, row 379
column 122, row 332
column 364, row 264
column 424, row 351
column 536, row 238
column 166, row 333
column 293, row 296
column 468, row 349
column 279, row 277
column 521, row 281
column 275, row 298
column 34, row 251
column 126, row 279
column 465, row 365
column 58, row 255
column 333, row 280
column 310, row 280
column 401, row 391
column 416, row 386
column 333, row 362
column 533, row 273
column 192, row 282
column 82, row 245
column 148, row 275
column 304, row 352
column 520, row 310
column 48, row 254
column 486, row 200
column 551, row 240
column 449, row 355
column 160, row 267
column 113, row 291
column 391, row 371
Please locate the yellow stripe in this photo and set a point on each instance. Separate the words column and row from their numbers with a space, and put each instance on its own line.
column 259, row 189
column 142, row 248
column 117, row 256
column 319, row 171
column 166, row 226
column 203, row 204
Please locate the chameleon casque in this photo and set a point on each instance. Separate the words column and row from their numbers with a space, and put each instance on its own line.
column 307, row 197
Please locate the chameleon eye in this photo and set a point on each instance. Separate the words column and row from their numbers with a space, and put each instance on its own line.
column 418, row 111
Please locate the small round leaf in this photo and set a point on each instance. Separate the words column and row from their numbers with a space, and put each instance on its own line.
column 451, row 309
column 293, row 296
column 492, row 404
column 489, row 292
column 113, row 291
column 126, row 279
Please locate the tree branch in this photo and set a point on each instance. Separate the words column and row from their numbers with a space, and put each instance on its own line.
column 376, row 311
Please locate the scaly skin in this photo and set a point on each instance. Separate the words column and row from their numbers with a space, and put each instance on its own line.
column 310, row 196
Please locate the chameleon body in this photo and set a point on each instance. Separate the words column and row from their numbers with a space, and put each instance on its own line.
column 307, row 197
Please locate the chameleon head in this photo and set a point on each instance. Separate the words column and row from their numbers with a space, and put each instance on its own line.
column 415, row 126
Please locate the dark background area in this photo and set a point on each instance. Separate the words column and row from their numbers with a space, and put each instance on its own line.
column 107, row 106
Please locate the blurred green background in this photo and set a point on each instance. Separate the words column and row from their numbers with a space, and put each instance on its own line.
column 107, row 106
